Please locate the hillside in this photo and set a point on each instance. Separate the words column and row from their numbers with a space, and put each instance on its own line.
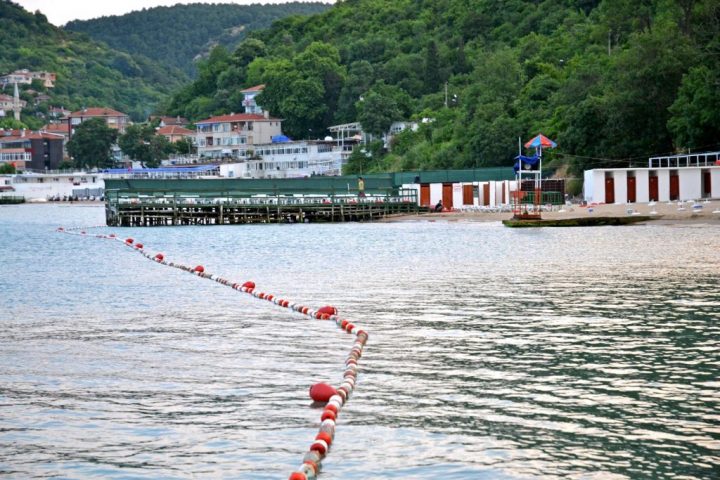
column 88, row 73
column 613, row 81
column 176, row 36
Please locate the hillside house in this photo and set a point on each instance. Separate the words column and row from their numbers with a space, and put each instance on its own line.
column 233, row 135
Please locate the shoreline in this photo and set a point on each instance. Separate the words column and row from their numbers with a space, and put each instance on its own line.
column 666, row 214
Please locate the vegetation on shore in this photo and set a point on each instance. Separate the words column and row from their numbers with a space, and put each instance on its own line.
column 613, row 81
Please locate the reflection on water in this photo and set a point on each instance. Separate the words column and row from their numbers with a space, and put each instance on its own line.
column 493, row 353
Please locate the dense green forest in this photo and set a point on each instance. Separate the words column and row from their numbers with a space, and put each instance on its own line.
column 175, row 36
column 88, row 73
column 612, row 81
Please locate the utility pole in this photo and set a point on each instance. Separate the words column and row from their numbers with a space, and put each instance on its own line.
column 446, row 95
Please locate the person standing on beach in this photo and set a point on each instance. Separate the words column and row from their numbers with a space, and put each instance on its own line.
column 361, row 187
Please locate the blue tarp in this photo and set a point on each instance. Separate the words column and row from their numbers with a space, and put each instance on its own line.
column 528, row 163
column 280, row 139
column 193, row 169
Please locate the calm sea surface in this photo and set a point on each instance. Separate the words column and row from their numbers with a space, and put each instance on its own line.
column 493, row 353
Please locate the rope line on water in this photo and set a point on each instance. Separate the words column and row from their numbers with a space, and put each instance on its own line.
column 336, row 398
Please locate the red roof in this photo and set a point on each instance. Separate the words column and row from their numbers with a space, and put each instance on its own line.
column 256, row 88
column 62, row 128
column 97, row 112
column 238, row 117
column 15, row 135
column 174, row 130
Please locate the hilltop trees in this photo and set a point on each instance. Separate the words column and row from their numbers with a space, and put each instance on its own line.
column 614, row 81
column 91, row 144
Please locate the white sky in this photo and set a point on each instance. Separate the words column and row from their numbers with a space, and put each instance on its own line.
column 59, row 12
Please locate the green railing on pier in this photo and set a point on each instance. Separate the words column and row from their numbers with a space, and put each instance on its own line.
column 119, row 199
column 11, row 199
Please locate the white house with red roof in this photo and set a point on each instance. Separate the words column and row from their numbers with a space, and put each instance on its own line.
column 175, row 133
column 249, row 102
column 26, row 77
column 113, row 118
column 233, row 135
column 7, row 102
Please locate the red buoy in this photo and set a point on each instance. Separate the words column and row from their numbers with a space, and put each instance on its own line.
column 249, row 284
column 200, row 269
column 321, row 392
column 159, row 257
column 61, row 229
column 328, row 415
column 112, row 235
column 138, row 246
column 324, row 436
column 319, row 446
column 129, row 241
column 328, row 309
column 297, row 476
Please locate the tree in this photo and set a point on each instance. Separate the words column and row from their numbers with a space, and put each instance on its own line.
column 695, row 121
column 141, row 143
column 7, row 168
column 10, row 123
column 184, row 146
column 433, row 75
column 91, row 144
column 376, row 113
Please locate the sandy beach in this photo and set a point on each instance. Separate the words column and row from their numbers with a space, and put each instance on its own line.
column 666, row 213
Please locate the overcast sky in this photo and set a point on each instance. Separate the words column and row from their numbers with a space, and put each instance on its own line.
column 59, row 12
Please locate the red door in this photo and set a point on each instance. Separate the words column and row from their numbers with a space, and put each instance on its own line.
column 467, row 194
column 425, row 194
column 654, row 197
column 631, row 196
column 486, row 194
column 447, row 195
column 609, row 190
column 707, row 184
column 674, row 187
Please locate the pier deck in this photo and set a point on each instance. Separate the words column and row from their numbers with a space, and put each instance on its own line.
column 137, row 210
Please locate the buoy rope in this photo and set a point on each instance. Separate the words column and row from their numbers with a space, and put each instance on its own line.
column 335, row 398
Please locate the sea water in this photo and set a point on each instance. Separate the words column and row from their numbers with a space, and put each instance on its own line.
column 494, row 353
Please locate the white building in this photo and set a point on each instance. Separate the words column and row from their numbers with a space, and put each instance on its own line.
column 44, row 186
column 291, row 160
column 26, row 77
column 249, row 102
column 235, row 135
column 677, row 177
column 491, row 194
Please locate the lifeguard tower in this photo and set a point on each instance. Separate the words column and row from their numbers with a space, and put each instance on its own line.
column 527, row 197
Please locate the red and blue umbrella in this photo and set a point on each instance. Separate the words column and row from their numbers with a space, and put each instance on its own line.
column 540, row 141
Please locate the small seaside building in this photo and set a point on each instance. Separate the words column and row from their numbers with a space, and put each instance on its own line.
column 48, row 186
column 668, row 178
column 43, row 150
column 235, row 134
column 289, row 159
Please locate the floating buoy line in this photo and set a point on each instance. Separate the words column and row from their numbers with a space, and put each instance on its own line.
column 334, row 398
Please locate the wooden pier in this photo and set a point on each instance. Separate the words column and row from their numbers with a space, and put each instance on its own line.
column 137, row 210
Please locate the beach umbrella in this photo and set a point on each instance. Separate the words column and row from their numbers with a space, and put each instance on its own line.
column 540, row 141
